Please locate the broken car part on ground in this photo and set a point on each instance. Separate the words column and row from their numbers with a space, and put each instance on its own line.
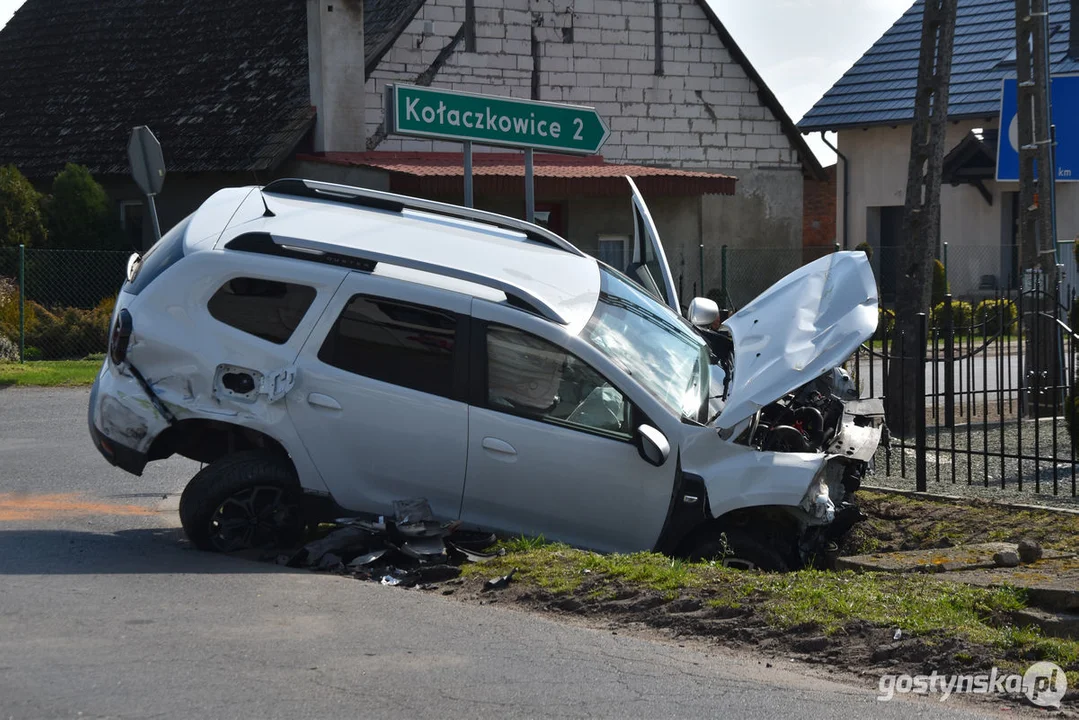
column 330, row 350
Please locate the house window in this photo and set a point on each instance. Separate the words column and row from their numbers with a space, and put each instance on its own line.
column 131, row 218
column 614, row 250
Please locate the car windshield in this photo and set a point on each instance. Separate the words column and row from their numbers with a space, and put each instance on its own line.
column 645, row 339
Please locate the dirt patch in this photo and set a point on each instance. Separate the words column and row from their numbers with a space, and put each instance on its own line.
column 27, row 506
column 898, row 522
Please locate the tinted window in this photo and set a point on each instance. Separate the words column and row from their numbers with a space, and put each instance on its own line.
column 530, row 376
column 395, row 342
column 267, row 309
column 159, row 258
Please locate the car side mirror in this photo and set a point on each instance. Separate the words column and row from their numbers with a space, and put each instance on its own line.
column 702, row 312
column 652, row 445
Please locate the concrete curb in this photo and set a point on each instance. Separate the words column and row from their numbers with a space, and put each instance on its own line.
column 955, row 498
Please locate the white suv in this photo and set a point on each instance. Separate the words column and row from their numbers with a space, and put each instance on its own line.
column 328, row 350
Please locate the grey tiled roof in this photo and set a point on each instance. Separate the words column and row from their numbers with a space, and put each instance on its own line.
column 222, row 83
column 879, row 88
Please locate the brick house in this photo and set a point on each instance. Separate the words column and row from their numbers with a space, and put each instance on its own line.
column 284, row 92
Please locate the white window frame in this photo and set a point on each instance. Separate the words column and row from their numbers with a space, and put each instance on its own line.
column 626, row 249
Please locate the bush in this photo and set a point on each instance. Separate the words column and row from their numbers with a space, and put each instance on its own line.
column 79, row 215
column 9, row 351
column 962, row 312
column 997, row 314
column 1071, row 412
column 885, row 323
column 20, row 210
column 9, row 311
column 70, row 333
column 866, row 248
column 940, row 283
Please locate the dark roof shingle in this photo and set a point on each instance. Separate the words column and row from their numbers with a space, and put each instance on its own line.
column 879, row 88
column 223, row 85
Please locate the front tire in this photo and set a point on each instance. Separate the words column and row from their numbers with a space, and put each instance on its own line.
column 738, row 548
column 242, row 501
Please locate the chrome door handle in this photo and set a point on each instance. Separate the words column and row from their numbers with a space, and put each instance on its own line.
column 323, row 401
column 499, row 446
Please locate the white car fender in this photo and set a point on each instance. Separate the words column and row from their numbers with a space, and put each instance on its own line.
column 738, row 476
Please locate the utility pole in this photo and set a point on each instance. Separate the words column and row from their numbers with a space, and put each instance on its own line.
column 921, row 211
column 1037, row 243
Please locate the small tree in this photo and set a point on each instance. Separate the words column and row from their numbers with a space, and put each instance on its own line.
column 20, row 210
column 78, row 214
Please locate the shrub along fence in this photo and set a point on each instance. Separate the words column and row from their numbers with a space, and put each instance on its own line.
column 56, row 304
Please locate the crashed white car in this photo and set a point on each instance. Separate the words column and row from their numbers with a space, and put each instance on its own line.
column 329, row 350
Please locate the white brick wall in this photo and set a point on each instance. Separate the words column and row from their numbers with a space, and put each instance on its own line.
column 703, row 112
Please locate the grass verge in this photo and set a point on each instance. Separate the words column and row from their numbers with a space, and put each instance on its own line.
column 899, row 522
column 50, row 373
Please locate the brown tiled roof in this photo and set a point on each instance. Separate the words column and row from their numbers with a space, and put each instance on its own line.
column 443, row 172
column 223, row 85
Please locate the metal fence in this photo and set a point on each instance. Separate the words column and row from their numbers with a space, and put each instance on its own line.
column 989, row 402
column 56, row 304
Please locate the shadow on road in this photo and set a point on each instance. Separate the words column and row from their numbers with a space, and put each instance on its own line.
column 141, row 551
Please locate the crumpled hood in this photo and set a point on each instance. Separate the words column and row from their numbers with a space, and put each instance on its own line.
column 807, row 323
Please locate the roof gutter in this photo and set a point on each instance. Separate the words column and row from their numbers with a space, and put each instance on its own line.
column 846, row 184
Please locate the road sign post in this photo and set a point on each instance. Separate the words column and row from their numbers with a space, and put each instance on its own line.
column 147, row 168
column 438, row 114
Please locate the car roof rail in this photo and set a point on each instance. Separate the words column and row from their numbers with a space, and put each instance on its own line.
column 391, row 202
column 366, row 261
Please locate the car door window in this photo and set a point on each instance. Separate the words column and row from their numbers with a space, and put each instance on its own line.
column 396, row 342
column 529, row 376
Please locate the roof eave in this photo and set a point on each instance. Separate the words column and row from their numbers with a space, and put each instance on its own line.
column 810, row 165
column 806, row 129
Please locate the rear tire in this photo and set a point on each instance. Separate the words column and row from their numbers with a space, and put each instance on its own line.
column 737, row 548
column 243, row 501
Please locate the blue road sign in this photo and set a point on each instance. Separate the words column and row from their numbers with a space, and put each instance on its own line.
column 1065, row 91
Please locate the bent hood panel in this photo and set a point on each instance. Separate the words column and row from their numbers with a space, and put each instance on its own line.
column 807, row 323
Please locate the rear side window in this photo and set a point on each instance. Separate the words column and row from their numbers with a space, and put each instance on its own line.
column 164, row 254
column 395, row 342
column 267, row 309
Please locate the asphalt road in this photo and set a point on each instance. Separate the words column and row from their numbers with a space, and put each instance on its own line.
column 105, row 612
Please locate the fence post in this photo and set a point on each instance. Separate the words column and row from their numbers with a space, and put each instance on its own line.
column 22, row 303
column 944, row 262
column 918, row 357
column 723, row 272
column 835, row 247
column 704, row 291
column 949, row 364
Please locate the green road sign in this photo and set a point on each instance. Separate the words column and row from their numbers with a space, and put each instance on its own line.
column 490, row 120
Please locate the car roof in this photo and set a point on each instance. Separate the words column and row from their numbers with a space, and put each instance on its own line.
column 434, row 248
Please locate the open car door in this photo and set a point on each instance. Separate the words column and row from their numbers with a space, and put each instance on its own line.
column 649, row 267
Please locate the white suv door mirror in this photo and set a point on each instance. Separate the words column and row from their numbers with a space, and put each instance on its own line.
column 702, row 312
column 652, row 445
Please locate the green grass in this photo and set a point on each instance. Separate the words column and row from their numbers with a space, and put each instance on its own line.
column 50, row 373
column 830, row 601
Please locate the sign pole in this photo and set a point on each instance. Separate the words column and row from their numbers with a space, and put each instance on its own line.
column 468, row 173
column 153, row 215
column 530, row 187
